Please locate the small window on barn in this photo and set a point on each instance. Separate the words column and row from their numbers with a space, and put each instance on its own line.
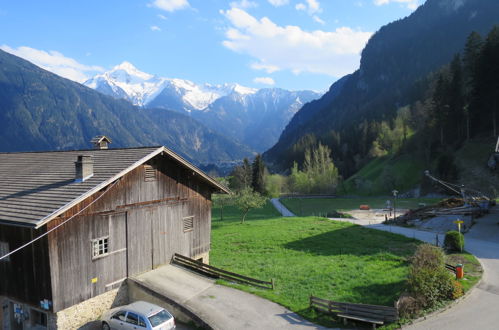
column 4, row 249
column 150, row 173
column 100, row 247
column 188, row 223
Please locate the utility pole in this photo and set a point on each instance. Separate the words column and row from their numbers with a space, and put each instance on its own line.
column 395, row 192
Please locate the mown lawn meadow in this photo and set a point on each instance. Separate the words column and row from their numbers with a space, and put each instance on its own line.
column 310, row 255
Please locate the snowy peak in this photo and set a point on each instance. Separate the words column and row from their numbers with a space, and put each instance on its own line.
column 126, row 81
column 200, row 97
column 140, row 88
column 127, row 71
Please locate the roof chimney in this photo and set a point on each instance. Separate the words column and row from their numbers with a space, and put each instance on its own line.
column 84, row 168
column 100, row 142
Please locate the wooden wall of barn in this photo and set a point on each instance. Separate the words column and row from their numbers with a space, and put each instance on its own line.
column 144, row 222
column 26, row 275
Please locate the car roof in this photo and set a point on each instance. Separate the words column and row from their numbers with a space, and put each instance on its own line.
column 143, row 307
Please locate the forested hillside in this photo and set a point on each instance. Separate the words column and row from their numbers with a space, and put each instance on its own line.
column 401, row 99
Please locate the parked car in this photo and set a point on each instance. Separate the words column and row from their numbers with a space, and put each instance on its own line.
column 139, row 315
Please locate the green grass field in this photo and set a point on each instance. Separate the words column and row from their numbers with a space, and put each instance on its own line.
column 322, row 206
column 332, row 260
column 311, row 255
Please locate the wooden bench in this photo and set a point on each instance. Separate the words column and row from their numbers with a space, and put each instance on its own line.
column 374, row 314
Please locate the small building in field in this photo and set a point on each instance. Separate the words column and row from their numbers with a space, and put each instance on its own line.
column 90, row 219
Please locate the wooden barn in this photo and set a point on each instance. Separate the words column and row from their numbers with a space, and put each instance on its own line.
column 96, row 217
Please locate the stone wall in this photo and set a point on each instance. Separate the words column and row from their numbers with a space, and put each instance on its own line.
column 90, row 310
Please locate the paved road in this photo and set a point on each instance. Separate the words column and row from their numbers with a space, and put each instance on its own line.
column 480, row 310
column 281, row 208
column 218, row 306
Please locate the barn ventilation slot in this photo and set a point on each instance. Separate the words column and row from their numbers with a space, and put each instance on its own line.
column 188, row 223
column 150, row 173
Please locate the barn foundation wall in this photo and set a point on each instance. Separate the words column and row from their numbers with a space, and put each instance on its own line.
column 90, row 310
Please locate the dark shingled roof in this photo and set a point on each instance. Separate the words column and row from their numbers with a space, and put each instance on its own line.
column 36, row 187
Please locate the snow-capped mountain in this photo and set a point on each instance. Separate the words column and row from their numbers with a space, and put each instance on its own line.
column 247, row 115
column 140, row 88
column 125, row 81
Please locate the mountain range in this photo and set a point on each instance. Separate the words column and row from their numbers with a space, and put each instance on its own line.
column 249, row 116
column 395, row 60
column 42, row 111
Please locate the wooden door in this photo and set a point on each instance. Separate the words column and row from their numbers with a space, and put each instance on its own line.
column 117, row 268
column 168, row 237
column 161, row 238
column 139, row 241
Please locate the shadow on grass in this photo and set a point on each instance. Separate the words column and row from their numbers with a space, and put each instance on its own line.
column 375, row 294
column 355, row 240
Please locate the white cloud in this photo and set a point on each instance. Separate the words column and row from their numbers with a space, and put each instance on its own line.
column 266, row 67
column 278, row 3
column 163, row 17
column 301, row 6
column 155, row 28
column 55, row 62
column 318, row 19
column 311, row 6
column 170, row 5
column 289, row 47
column 245, row 4
column 411, row 4
column 264, row 81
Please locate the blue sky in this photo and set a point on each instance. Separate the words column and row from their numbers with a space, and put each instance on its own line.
column 292, row 44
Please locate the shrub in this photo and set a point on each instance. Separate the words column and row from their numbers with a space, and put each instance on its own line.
column 429, row 282
column 408, row 306
column 454, row 241
column 457, row 290
column 428, row 256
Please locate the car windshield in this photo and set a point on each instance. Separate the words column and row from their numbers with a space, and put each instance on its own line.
column 159, row 318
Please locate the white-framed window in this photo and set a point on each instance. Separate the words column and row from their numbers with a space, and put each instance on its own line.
column 188, row 223
column 4, row 249
column 100, row 247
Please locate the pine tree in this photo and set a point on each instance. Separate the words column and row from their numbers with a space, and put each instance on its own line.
column 456, row 116
column 258, row 177
column 241, row 176
column 440, row 109
column 471, row 56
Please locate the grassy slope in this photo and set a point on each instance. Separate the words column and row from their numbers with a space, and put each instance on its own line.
column 471, row 161
column 321, row 206
column 376, row 177
column 381, row 175
column 332, row 260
